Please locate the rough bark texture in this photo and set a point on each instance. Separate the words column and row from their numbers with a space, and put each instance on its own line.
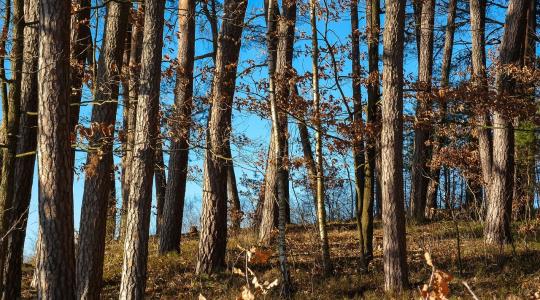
column 235, row 213
column 99, row 171
column 56, row 262
column 24, row 164
column 131, row 101
column 321, row 210
column 171, row 229
column 393, row 215
column 7, row 178
column 133, row 280
column 213, row 238
column 161, row 184
column 431, row 197
column 373, row 28
column 499, row 208
column 420, row 172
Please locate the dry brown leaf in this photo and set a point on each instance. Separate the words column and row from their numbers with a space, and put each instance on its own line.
column 246, row 294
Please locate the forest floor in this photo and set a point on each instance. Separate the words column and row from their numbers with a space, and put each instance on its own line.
column 511, row 272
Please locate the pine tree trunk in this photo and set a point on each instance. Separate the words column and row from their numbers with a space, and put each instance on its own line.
column 131, row 101
column 213, row 238
column 161, row 184
column 24, row 164
column 171, row 228
column 419, row 182
column 99, row 170
column 56, row 262
column 321, row 211
column 133, row 280
column 373, row 28
column 235, row 213
column 499, row 210
column 435, row 171
column 393, row 215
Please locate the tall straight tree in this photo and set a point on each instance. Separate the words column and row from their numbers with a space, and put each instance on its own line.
column 419, row 181
column 499, row 208
column 270, row 210
column 373, row 11
column 171, row 228
column 56, row 262
column 97, row 185
column 213, row 239
column 130, row 102
column 133, row 281
column 431, row 196
column 7, row 180
column 24, row 165
column 358, row 143
column 393, row 215
column 321, row 210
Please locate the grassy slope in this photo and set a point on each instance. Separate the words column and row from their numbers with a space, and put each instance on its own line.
column 515, row 272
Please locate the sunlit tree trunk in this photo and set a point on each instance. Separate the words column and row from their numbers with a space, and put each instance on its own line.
column 499, row 208
column 133, row 280
column 321, row 211
column 56, row 262
column 171, row 228
column 393, row 215
column 213, row 238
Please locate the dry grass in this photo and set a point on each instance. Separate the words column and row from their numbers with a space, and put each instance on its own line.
column 491, row 272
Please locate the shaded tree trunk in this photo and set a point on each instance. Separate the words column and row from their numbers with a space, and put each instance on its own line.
column 99, row 165
column 133, row 280
column 170, row 234
column 213, row 238
column 161, row 184
column 56, row 262
column 433, row 185
column 419, row 172
column 373, row 28
column 499, row 209
column 232, row 194
column 393, row 215
column 26, row 147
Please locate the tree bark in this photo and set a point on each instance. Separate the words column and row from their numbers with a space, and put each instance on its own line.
column 161, row 184
column 24, row 164
column 373, row 28
column 321, row 211
column 131, row 101
column 171, row 229
column 419, row 172
column 133, row 280
column 435, row 171
column 56, row 262
column 213, row 238
column 393, row 216
column 499, row 210
column 232, row 194
column 97, row 185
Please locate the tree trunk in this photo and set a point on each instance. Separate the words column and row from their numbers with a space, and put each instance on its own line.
column 357, row 142
column 373, row 28
column 321, row 211
column 56, row 267
column 393, row 216
column 171, row 228
column 133, row 281
column 232, row 194
column 8, row 179
column 161, row 184
column 99, row 171
column 213, row 238
column 435, row 171
column 419, row 173
column 24, row 164
column 131, row 101
column 499, row 210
